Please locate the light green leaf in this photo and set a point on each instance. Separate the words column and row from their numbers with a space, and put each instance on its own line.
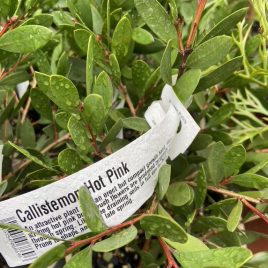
column 157, row 225
column 62, row 119
column 220, row 74
column 90, row 211
column 116, row 73
column 3, row 187
column 234, row 217
column 226, row 25
column 29, row 156
column 104, row 87
column 81, row 37
column 43, row 82
column 79, row 134
column 165, row 65
column 186, row 84
column 136, row 123
column 156, row 17
column 163, row 180
column 233, row 257
column 141, row 36
column 178, row 194
column 63, row 19
column 25, row 39
column 97, row 20
column 221, row 115
column 69, row 161
column 94, row 112
column 192, row 244
column 50, row 256
column 117, row 240
column 64, row 92
column 233, row 160
column 205, row 223
column 81, row 259
column 215, row 162
column 90, row 65
column 210, row 52
column 201, row 189
column 140, row 74
column 122, row 40
column 250, row 180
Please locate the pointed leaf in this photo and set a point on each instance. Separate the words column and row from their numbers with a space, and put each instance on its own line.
column 136, row 123
column 97, row 20
column 90, row 64
column 210, row 52
column 163, row 180
column 201, row 189
column 234, row 217
column 250, row 180
column 81, row 259
column 90, row 211
column 165, row 65
column 141, row 36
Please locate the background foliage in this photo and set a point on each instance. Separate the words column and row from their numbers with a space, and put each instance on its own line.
column 93, row 67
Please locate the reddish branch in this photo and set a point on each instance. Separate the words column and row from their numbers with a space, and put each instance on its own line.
column 170, row 261
column 109, row 231
column 254, row 210
column 124, row 92
column 7, row 24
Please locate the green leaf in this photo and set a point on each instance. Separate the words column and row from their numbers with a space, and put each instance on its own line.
column 90, row 64
column 117, row 240
column 234, row 217
column 192, row 244
column 157, row 225
column 233, row 160
column 220, row 74
column 201, row 189
column 81, row 37
column 122, row 40
column 250, row 180
column 43, row 82
column 29, row 156
column 215, row 162
column 3, row 187
column 62, row 119
column 186, row 84
column 69, row 161
column 25, row 39
column 136, row 123
column 41, row 104
column 64, row 92
column 104, row 87
column 50, row 256
column 97, row 20
column 79, row 134
column 141, row 36
column 94, row 112
column 63, row 19
column 205, row 223
column 178, row 194
column 113, row 132
column 226, row 25
column 163, row 180
column 156, row 17
column 27, row 134
column 233, row 257
column 13, row 79
column 210, row 52
column 81, row 259
column 200, row 142
column 165, row 65
column 116, row 73
column 221, row 115
column 90, row 211
column 221, row 204
column 140, row 74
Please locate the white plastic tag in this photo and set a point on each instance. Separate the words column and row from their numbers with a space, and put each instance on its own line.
column 119, row 185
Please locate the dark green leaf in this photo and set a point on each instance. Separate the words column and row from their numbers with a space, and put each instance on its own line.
column 250, row 180
column 25, row 39
column 200, row 142
column 233, row 160
column 201, row 188
column 165, row 65
column 69, row 161
column 62, row 119
column 3, row 186
column 210, row 52
column 13, row 79
column 113, row 132
column 136, row 123
column 90, row 211
column 221, row 115
column 27, row 134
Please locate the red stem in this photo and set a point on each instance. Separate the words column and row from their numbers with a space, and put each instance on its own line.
column 254, row 210
column 93, row 239
column 170, row 261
